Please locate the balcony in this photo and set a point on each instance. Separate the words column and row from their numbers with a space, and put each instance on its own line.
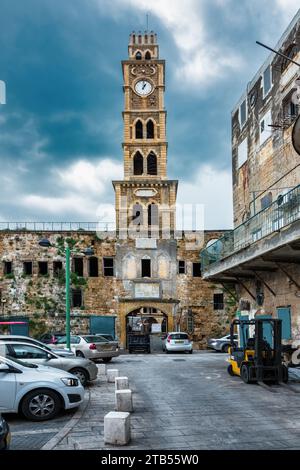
column 269, row 235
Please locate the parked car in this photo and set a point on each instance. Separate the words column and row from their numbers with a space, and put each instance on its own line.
column 27, row 339
column 221, row 344
column 38, row 392
column 91, row 346
column 176, row 341
column 5, row 435
column 84, row 369
column 50, row 338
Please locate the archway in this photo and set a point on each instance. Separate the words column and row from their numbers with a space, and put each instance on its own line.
column 149, row 323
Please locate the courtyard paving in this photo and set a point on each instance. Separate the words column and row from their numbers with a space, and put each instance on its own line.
column 181, row 402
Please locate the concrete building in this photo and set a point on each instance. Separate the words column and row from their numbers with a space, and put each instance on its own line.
column 145, row 274
column 260, row 258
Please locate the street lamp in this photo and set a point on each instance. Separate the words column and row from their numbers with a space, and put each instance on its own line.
column 45, row 243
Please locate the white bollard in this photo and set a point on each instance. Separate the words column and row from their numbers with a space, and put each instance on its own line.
column 124, row 400
column 101, row 369
column 117, row 428
column 112, row 374
column 121, row 383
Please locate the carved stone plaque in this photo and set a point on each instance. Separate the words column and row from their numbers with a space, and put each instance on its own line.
column 146, row 290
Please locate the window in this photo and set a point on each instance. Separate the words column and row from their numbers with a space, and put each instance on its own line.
column 108, row 267
column 93, row 266
column 78, row 266
column 137, row 214
column 24, row 351
column 181, row 267
column 152, row 214
column 242, row 152
column 196, row 269
column 243, row 113
column 7, row 267
column 146, row 267
column 43, row 268
column 147, row 55
column 76, row 298
column 218, row 301
column 266, row 201
column 139, row 130
column 290, row 52
column 151, row 164
column 27, row 268
column 150, row 129
column 57, row 268
column 138, row 56
column 267, row 81
column 265, row 129
column 138, row 164
column 290, row 110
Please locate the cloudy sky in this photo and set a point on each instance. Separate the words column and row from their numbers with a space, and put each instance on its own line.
column 61, row 129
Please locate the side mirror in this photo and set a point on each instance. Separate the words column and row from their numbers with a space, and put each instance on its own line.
column 4, row 368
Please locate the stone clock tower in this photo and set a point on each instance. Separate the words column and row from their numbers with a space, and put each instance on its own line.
column 145, row 199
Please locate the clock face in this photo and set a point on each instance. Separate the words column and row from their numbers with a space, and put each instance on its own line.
column 143, row 87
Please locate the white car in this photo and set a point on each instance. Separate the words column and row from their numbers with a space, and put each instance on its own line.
column 176, row 341
column 38, row 392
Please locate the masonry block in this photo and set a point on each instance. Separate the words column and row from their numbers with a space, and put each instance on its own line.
column 112, row 374
column 124, row 400
column 117, row 428
column 101, row 369
column 121, row 383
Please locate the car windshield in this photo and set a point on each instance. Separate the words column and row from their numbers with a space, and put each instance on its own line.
column 94, row 339
column 179, row 336
column 22, row 363
column 108, row 337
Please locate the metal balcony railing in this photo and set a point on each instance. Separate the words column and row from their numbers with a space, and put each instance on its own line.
column 57, row 226
column 279, row 214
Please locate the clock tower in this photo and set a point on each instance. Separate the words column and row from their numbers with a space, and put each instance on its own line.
column 145, row 199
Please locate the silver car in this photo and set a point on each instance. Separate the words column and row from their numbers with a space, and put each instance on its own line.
column 221, row 344
column 27, row 339
column 93, row 347
column 83, row 369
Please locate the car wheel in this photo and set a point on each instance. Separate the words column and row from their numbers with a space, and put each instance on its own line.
column 245, row 374
column 225, row 348
column 81, row 374
column 106, row 359
column 191, row 351
column 79, row 354
column 167, row 351
column 40, row 405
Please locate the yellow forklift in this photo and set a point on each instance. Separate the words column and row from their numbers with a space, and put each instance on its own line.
column 257, row 358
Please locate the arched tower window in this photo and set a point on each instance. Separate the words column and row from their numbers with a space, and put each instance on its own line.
column 152, row 214
column 137, row 214
column 138, row 163
column 152, row 164
column 138, row 55
column 139, row 130
column 148, row 55
column 150, row 129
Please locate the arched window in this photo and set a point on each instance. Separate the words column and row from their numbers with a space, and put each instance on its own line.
column 151, row 164
column 137, row 214
column 138, row 163
column 290, row 52
column 139, row 130
column 140, row 39
column 148, row 55
column 150, row 129
column 152, row 214
column 138, row 55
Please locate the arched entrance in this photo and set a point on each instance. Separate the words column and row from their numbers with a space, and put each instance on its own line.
column 148, row 323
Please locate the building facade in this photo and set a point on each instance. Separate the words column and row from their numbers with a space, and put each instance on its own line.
column 144, row 276
column 260, row 257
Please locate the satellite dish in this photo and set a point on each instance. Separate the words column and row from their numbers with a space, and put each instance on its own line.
column 296, row 135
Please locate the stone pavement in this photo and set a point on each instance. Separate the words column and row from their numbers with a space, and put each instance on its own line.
column 184, row 402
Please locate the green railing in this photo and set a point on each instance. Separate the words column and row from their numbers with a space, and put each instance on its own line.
column 279, row 214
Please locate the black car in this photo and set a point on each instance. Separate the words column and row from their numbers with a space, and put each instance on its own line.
column 4, row 434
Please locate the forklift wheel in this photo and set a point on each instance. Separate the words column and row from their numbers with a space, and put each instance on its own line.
column 230, row 370
column 285, row 374
column 245, row 374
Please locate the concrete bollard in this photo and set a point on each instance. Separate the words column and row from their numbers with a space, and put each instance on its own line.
column 121, row 383
column 101, row 369
column 112, row 374
column 124, row 400
column 117, row 428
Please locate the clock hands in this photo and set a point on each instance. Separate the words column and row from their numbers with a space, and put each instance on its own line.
column 145, row 83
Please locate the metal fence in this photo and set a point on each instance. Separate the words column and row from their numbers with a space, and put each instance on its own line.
column 279, row 214
column 57, row 226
